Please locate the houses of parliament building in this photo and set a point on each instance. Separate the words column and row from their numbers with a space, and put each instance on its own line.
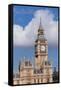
column 41, row 70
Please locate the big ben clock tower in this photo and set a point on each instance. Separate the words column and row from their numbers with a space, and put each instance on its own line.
column 41, row 48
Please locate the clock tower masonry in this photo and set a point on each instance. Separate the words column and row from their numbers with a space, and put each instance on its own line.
column 41, row 48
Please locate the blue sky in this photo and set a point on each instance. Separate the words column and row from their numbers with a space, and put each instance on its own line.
column 24, row 18
column 22, row 15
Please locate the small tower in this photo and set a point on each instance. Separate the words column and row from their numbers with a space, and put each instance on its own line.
column 41, row 48
column 26, row 72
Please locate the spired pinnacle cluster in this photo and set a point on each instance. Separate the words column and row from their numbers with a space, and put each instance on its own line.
column 41, row 70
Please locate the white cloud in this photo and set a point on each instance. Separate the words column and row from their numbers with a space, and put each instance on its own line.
column 27, row 36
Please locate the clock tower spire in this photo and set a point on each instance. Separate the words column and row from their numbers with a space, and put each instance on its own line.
column 41, row 35
column 41, row 48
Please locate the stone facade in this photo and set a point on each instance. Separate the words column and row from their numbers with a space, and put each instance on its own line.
column 41, row 70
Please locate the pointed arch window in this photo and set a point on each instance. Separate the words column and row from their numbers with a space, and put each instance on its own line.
column 34, row 80
column 38, row 80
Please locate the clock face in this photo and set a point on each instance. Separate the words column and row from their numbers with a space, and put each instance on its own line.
column 42, row 48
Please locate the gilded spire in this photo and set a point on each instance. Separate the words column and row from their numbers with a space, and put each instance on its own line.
column 40, row 25
column 40, row 31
